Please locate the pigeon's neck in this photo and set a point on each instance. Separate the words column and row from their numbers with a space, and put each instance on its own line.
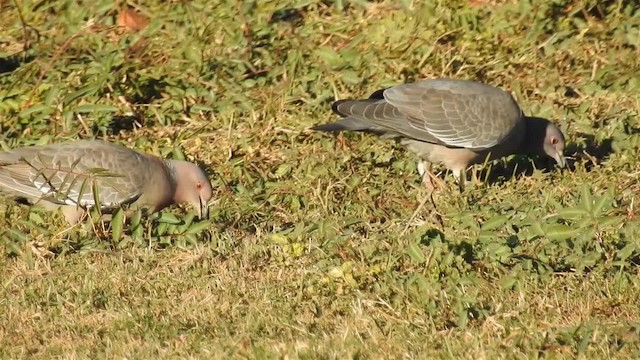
column 536, row 130
column 179, row 175
column 173, row 172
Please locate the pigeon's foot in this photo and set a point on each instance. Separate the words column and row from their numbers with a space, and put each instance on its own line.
column 73, row 214
column 430, row 181
column 461, row 178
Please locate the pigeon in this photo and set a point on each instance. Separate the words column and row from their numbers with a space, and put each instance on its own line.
column 455, row 123
column 80, row 175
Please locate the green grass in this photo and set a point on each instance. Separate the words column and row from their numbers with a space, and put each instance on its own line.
column 318, row 246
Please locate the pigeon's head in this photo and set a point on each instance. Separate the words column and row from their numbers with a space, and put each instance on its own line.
column 553, row 144
column 544, row 138
column 192, row 186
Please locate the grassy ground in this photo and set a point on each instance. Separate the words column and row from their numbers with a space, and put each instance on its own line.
column 317, row 246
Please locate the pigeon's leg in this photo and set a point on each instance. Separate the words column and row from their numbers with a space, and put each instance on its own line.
column 461, row 176
column 474, row 176
column 425, row 169
column 428, row 179
column 72, row 213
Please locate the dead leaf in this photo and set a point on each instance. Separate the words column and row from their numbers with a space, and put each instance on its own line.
column 132, row 20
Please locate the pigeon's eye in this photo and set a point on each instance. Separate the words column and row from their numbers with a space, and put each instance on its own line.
column 198, row 185
column 554, row 141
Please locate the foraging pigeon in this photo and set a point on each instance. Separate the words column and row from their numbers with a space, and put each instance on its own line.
column 66, row 174
column 456, row 123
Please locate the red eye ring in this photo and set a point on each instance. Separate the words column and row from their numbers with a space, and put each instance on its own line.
column 554, row 141
column 198, row 185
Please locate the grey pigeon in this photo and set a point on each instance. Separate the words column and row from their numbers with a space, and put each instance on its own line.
column 66, row 174
column 456, row 123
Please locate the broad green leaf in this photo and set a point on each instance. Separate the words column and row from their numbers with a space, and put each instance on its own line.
column 584, row 343
column 198, row 227
column 488, row 236
column 193, row 54
column 117, row 225
column 572, row 213
column 586, row 201
column 83, row 92
column 494, row 222
column 508, row 282
column 178, row 154
column 137, row 232
column 36, row 109
column 186, row 222
column 610, row 220
column 18, row 235
column 161, row 229
column 497, row 250
column 463, row 318
column 51, row 95
column 415, row 253
column 168, row 218
column 536, row 229
column 600, row 203
column 172, row 229
column 124, row 242
column 583, row 222
column 96, row 198
column 200, row 107
column 278, row 239
column 351, row 77
column 330, row 57
column 560, row 232
column 136, row 217
column 94, row 108
column 282, row 170
column 627, row 251
column 191, row 239
column 36, row 218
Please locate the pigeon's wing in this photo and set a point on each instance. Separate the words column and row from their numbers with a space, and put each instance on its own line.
column 73, row 173
column 376, row 116
column 457, row 113
column 454, row 113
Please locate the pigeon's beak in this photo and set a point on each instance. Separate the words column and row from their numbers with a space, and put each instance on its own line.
column 560, row 160
column 203, row 208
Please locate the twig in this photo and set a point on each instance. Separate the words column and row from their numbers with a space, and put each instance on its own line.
column 25, row 27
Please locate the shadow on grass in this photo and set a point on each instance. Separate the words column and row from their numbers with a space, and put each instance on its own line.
column 463, row 249
column 147, row 90
column 520, row 166
column 9, row 64
column 121, row 124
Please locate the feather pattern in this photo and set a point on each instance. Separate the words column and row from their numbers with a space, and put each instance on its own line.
column 453, row 113
column 82, row 173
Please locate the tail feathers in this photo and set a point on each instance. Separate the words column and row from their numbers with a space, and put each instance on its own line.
column 7, row 158
column 354, row 113
column 335, row 107
column 9, row 185
column 348, row 123
column 377, row 95
column 373, row 98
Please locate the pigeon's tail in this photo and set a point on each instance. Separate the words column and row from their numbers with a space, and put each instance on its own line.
column 352, row 108
column 350, row 121
column 8, row 157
